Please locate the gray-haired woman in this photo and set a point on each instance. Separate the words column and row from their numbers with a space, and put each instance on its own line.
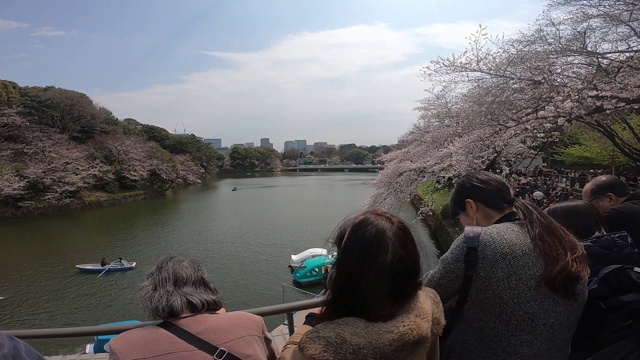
column 177, row 291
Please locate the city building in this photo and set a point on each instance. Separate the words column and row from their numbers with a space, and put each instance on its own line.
column 301, row 145
column 249, row 145
column 308, row 148
column 264, row 142
column 289, row 145
column 318, row 145
column 216, row 143
column 237, row 145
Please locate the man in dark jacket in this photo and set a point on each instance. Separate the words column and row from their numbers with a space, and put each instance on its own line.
column 617, row 203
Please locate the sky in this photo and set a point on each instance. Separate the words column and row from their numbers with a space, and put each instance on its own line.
column 340, row 71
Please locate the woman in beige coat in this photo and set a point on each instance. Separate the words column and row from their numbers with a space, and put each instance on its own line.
column 376, row 307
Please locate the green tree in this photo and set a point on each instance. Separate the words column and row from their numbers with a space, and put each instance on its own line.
column 585, row 146
column 356, row 156
column 371, row 149
column 9, row 93
column 325, row 152
column 69, row 112
column 291, row 154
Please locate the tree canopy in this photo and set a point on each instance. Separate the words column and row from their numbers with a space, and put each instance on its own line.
column 502, row 97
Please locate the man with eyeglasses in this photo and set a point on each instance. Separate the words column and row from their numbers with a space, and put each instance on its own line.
column 619, row 206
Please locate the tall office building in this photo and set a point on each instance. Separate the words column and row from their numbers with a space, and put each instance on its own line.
column 301, row 145
column 318, row 145
column 249, row 144
column 216, row 143
column 264, row 142
column 308, row 148
column 289, row 145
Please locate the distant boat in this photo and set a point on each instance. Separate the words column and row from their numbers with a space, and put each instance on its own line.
column 113, row 267
column 235, row 188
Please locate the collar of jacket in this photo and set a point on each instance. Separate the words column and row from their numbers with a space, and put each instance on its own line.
column 416, row 326
column 635, row 196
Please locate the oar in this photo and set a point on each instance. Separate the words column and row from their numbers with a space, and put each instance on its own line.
column 105, row 270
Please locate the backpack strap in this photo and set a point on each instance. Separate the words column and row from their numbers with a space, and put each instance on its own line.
column 197, row 342
column 471, row 241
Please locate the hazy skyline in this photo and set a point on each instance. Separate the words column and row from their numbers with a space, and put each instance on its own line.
column 334, row 71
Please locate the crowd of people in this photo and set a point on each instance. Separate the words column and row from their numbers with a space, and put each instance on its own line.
column 516, row 284
column 546, row 187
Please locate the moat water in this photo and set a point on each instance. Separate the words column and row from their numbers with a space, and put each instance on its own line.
column 244, row 238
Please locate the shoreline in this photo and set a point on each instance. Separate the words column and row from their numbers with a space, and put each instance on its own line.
column 101, row 199
column 7, row 213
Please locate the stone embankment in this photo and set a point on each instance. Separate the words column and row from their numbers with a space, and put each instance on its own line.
column 443, row 230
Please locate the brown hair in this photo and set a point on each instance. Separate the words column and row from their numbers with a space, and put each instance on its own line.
column 565, row 262
column 579, row 217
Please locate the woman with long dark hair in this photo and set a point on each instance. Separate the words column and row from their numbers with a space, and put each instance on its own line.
column 530, row 284
column 376, row 307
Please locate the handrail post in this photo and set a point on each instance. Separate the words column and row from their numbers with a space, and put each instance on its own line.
column 290, row 324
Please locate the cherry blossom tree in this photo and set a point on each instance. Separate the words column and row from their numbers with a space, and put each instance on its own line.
column 503, row 97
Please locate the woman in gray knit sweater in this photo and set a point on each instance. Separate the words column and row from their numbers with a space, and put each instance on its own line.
column 530, row 285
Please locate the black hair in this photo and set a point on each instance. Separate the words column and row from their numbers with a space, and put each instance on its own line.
column 482, row 187
column 579, row 217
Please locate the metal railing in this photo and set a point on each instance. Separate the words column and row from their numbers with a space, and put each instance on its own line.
column 54, row 333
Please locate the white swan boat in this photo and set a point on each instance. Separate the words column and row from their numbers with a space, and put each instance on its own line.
column 298, row 259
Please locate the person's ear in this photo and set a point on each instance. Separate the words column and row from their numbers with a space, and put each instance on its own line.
column 471, row 207
column 610, row 199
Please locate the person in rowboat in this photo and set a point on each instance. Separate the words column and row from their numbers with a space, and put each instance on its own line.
column 104, row 262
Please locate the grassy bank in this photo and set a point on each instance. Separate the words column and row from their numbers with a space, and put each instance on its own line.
column 435, row 196
column 438, row 220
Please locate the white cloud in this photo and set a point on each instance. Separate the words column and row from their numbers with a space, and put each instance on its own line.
column 51, row 31
column 356, row 84
column 16, row 56
column 9, row 25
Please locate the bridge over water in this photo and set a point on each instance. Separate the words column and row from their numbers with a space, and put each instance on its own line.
column 336, row 168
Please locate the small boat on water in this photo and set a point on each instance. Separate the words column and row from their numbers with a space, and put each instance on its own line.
column 235, row 188
column 98, row 347
column 298, row 259
column 311, row 271
column 113, row 267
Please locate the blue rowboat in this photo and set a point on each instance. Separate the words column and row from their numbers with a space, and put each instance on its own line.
column 96, row 268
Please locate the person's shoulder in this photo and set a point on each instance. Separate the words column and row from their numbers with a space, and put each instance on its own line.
column 138, row 333
column 499, row 231
column 623, row 210
column 243, row 316
column 430, row 295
